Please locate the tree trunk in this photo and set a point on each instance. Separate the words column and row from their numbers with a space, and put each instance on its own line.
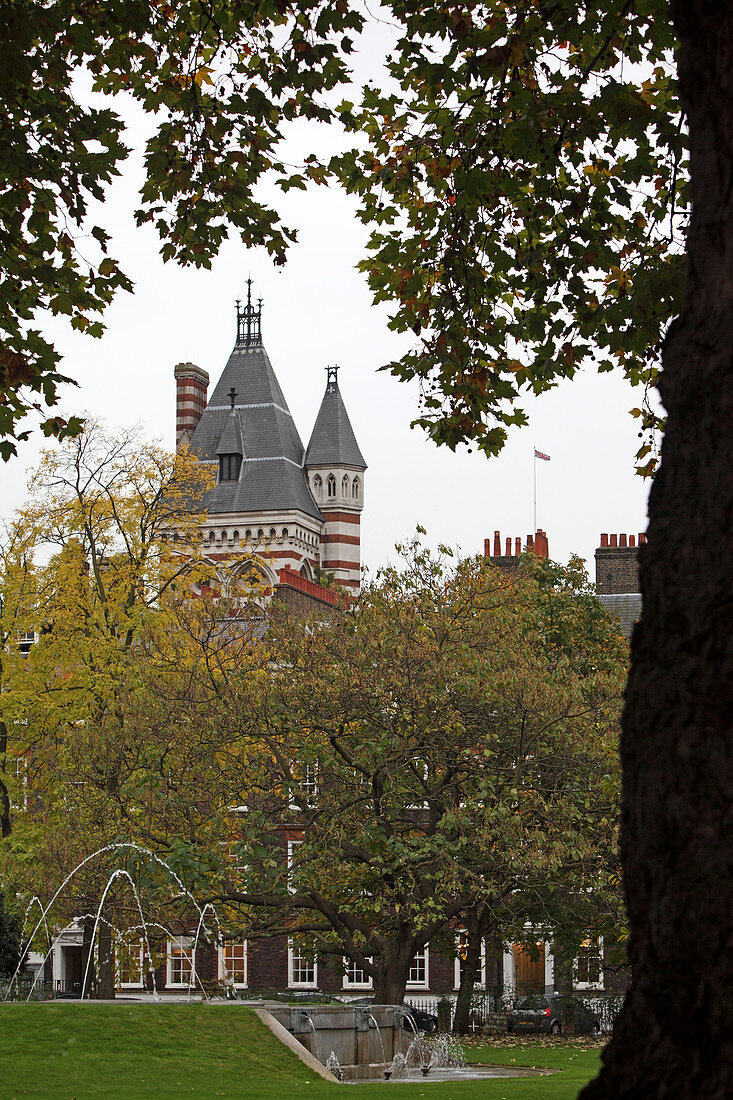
column 394, row 970
column 88, row 986
column 675, row 1035
column 106, row 958
column 472, row 961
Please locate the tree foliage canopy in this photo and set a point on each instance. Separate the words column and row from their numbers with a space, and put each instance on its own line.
column 521, row 167
column 448, row 744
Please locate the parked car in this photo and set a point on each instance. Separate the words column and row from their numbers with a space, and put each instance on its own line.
column 546, row 1014
column 421, row 1020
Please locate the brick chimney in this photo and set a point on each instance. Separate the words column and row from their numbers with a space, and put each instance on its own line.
column 617, row 564
column 192, row 385
column 536, row 544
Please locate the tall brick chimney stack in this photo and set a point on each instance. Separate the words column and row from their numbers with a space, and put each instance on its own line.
column 537, row 544
column 617, row 564
column 192, row 384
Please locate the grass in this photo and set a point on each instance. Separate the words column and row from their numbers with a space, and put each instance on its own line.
column 76, row 1052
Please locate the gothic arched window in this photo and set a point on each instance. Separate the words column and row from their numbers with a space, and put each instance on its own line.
column 317, row 486
column 355, row 488
column 344, row 486
column 331, row 486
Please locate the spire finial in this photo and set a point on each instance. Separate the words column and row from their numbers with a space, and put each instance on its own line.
column 331, row 379
column 249, row 321
column 232, row 395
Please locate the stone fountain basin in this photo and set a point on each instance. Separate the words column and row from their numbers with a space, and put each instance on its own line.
column 436, row 1075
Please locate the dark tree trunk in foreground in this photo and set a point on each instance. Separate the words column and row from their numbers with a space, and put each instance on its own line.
column 471, row 963
column 105, row 954
column 675, row 1036
column 393, row 972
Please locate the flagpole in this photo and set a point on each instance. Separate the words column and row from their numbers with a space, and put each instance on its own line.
column 534, row 479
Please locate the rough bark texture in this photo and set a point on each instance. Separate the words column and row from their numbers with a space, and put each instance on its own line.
column 462, row 1017
column 105, row 955
column 394, row 970
column 675, row 1036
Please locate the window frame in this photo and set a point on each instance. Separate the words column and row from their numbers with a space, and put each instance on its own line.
column 294, row 952
column 184, row 943
column 348, row 983
column 458, row 962
column 227, row 975
column 423, row 983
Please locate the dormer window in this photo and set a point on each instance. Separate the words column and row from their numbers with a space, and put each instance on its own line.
column 229, row 467
column 331, row 486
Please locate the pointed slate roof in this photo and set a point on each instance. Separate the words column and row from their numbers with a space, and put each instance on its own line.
column 332, row 441
column 272, row 477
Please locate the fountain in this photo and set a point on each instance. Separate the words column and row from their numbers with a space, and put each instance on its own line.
column 119, row 873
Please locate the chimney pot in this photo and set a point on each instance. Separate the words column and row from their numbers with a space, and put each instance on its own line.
column 192, row 385
column 614, row 540
column 487, row 548
column 517, row 546
column 604, row 540
column 632, row 540
column 642, row 538
column 497, row 544
column 530, row 542
column 508, row 547
column 622, row 540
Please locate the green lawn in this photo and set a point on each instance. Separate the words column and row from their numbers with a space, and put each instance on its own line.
column 80, row 1051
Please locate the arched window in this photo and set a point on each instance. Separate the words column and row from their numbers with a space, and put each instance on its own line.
column 344, row 486
column 285, row 533
column 318, row 485
column 355, row 488
column 331, row 486
column 273, row 533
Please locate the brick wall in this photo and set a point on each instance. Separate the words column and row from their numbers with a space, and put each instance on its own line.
column 617, row 564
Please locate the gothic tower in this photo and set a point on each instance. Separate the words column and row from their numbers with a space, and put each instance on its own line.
column 268, row 498
column 335, row 468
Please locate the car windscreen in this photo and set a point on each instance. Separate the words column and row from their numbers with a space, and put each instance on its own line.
column 533, row 1001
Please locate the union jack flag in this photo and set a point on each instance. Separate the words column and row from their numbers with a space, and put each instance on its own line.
column 539, row 454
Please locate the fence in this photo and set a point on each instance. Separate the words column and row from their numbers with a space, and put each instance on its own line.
column 606, row 1006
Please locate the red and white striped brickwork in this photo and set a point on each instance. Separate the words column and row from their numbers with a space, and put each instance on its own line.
column 192, row 385
column 340, row 547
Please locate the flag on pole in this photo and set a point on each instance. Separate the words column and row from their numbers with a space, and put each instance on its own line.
column 539, row 454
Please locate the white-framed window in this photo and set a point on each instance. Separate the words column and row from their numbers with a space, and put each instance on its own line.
column 293, row 846
column 17, row 768
column 181, row 961
column 305, row 784
column 354, row 976
column 130, row 961
column 233, row 963
column 479, row 978
column 588, row 966
column 302, row 968
column 419, row 975
column 25, row 639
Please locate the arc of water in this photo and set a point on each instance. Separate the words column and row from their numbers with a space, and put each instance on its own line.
column 35, row 900
column 115, row 874
column 379, row 1036
column 191, row 981
column 116, row 846
column 45, row 958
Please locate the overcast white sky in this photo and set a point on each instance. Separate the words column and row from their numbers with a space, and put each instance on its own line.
column 317, row 311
